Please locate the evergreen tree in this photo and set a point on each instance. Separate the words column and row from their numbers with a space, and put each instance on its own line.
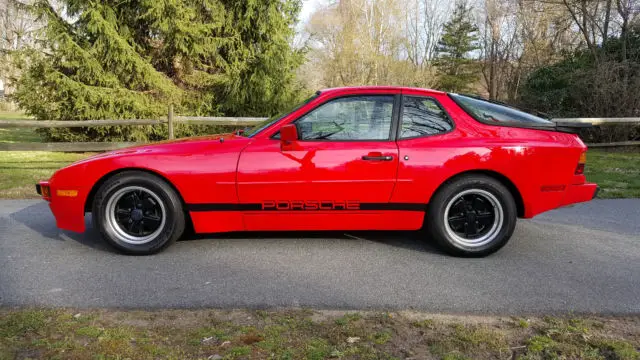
column 455, row 69
column 114, row 59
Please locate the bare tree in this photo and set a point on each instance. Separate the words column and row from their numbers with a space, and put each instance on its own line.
column 519, row 36
column 393, row 41
column 360, row 42
column 598, row 20
column 18, row 30
column 425, row 19
column 502, row 44
column 629, row 11
column 17, row 26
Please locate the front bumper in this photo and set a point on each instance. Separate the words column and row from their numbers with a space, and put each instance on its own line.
column 68, row 210
column 44, row 189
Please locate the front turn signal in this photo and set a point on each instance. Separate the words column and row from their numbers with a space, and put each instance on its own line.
column 67, row 193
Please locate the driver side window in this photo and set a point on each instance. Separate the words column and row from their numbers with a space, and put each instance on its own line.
column 350, row 118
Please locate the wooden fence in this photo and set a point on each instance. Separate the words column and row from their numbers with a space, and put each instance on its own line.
column 171, row 120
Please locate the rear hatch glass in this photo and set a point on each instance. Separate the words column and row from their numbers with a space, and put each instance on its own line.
column 495, row 113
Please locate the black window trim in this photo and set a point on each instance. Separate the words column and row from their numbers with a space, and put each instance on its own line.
column 395, row 113
column 401, row 116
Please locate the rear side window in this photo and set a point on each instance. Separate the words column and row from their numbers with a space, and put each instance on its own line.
column 492, row 113
column 423, row 117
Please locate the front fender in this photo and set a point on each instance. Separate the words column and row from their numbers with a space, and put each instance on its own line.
column 201, row 173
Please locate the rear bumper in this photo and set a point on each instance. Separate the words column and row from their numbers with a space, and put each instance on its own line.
column 580, row 193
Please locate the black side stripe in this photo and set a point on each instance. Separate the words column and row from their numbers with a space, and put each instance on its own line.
column 393, row 206
column 223, row 207
column 258, row 207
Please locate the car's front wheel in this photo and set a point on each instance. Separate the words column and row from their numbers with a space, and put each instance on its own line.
column 138, row 213
column 473, row 215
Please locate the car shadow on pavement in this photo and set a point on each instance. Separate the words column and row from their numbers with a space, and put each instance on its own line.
column 409, row 240
column 38, row 218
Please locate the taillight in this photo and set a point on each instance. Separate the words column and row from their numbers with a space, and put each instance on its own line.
column 581, row 163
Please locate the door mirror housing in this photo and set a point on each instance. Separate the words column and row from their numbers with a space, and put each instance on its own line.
column 288, row 135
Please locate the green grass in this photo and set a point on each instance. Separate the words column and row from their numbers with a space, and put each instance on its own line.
column 308, row 335
column 617, row 172
column 13, row 115
column 14, row 135
column 20, row 170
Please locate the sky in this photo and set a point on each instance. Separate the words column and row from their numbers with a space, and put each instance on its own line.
column 308, row 7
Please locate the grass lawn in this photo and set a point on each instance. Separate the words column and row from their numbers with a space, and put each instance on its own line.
column 20, row 170
column 617, row 173
column 12, row 115
column 13, row 135
column 308, row 334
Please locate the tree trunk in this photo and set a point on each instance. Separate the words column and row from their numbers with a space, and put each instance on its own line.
column 605, row 27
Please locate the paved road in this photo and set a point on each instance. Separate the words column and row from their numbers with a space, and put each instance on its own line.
column 591, row 266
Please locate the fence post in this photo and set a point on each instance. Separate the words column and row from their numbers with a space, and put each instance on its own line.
column 170, row 121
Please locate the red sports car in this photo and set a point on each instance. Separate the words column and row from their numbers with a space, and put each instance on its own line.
column 364, row 158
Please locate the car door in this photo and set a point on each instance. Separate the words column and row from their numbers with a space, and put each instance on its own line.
column 427, row 138
column 340, row 174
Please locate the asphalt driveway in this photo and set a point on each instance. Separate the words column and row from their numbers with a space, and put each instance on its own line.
column 580, row 259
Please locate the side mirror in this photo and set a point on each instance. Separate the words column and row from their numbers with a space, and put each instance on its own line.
column 288, row 135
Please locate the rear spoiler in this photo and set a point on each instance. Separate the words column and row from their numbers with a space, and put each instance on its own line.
column 571, row 127
column 560, row 126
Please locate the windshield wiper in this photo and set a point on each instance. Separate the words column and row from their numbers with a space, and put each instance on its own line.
column 326, row 135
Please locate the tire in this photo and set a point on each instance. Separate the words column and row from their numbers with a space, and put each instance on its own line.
column 125, row 201
column 479, row 200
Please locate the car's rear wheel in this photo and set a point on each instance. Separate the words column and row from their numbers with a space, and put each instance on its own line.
column 138, row 213
column 474, row 215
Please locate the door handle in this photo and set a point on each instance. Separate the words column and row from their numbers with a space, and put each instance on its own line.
column 372, row 157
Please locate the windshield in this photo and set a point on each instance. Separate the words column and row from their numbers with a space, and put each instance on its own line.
column 491, row 112
column 256, row 129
